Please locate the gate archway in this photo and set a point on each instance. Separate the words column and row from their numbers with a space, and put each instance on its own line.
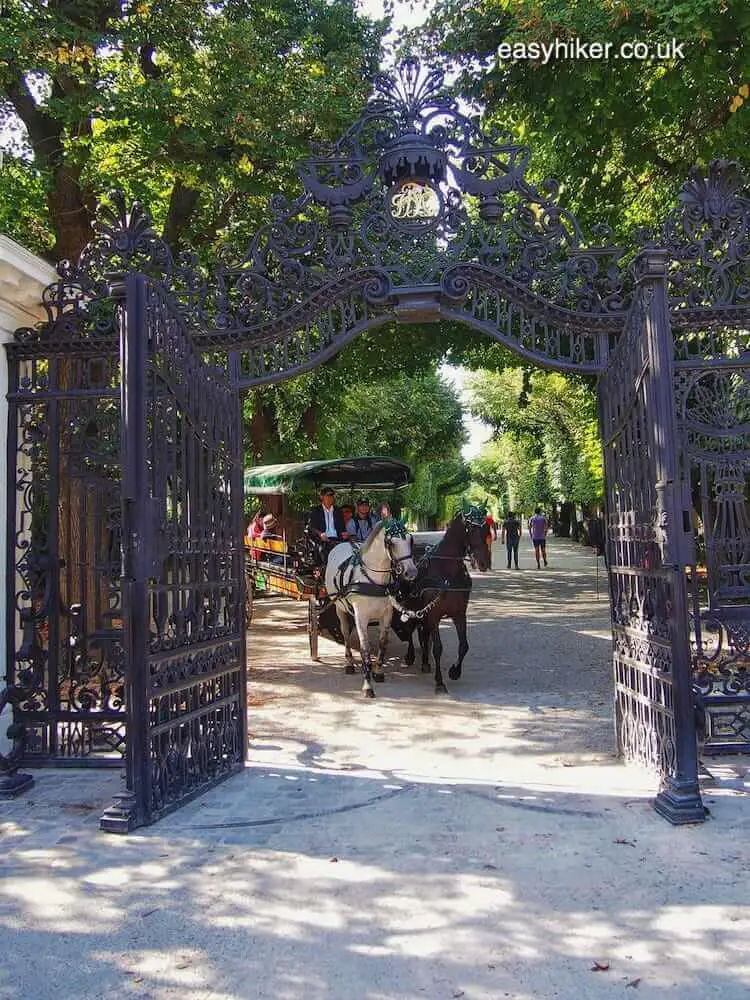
column 125, row 582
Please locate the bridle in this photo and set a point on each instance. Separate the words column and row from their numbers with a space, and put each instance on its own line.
column 471, row 522
column 398, row 569
column 395, row 530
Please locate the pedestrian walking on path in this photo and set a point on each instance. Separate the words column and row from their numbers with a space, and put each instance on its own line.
column 510, row 534
column 538, row 528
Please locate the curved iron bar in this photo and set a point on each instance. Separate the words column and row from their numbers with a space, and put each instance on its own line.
column 417, row 213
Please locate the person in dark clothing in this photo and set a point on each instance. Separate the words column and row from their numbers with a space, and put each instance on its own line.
column 326, row 521
column 510, row 533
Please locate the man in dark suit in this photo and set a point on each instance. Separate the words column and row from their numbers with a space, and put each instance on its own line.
column 326, row 522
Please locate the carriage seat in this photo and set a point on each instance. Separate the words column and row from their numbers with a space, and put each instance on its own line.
column 267, row 550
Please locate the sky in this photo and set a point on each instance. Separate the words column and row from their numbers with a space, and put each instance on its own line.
column 411, row 15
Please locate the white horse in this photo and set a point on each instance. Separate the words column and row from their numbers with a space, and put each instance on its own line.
column 358, row 580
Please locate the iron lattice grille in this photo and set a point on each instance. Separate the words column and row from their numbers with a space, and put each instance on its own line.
column 640, row 586
column 186, row 598
column 712, row 406
column 65, row 620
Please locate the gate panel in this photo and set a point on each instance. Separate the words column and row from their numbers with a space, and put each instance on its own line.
column 64, row 612
column 183, row 568
column 713, row 418
column 647, row 548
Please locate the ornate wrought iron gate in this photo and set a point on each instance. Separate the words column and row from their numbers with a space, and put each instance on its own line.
column 64, row 610
column 709, row 250
column 649, row 543
column 125, row 575
column 125, row 632
column 183, row 570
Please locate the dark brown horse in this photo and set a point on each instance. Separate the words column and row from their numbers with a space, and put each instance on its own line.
column 442, row 590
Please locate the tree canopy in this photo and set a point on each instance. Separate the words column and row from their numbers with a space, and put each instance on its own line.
column 201, row 109
column 198, row 108
column 546, row 446
column 620, row 133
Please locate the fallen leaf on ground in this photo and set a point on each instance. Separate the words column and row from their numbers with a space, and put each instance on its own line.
column 621, row 840
column 600, row 966
column 147, row 913
column 633, row 982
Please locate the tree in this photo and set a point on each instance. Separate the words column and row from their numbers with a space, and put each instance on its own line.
column 412, row 415
column 200, row 109
column 621, row 134
column 546, row 446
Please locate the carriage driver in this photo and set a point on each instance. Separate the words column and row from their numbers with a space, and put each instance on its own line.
column 360, row 526
column 326, row 521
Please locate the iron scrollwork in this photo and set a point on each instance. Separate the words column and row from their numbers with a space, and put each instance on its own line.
column 416, row 212
column 643, row 620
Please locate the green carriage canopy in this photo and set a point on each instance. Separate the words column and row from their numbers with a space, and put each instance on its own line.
column 375, row 472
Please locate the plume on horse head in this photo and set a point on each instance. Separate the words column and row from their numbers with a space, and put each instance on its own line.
column 391, row 527
column 472, row 513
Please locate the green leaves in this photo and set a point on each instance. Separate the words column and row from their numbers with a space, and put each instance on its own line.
column 620, row 133
column 547, row 446
column 221, row 99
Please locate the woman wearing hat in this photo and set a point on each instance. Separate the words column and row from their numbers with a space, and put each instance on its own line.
column 270, row 525
column 360, row 526
column 271, row 533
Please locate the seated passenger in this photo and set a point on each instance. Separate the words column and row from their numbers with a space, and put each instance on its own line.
column 360, row 526
column 325, row 524
column 270, row 533
column 326, row 520
column 255, row 527
column 347, row 512
column 254, row 531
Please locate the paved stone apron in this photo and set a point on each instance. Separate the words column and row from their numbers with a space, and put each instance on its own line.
column 480, row 845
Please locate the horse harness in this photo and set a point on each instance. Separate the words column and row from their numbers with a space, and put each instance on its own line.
column 444, row 586
column 369, row 588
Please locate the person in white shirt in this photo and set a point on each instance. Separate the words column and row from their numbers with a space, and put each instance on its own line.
column 326, row 521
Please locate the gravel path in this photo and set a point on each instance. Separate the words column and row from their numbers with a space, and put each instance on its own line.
column 480, row 845
column 537, row 680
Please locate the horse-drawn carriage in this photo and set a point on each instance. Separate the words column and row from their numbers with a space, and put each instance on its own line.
column 290, row 563
column 390, row 579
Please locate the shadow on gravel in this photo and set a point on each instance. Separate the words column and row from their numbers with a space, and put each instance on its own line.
column 479, row 846
column 290, row 884
column 537, row 679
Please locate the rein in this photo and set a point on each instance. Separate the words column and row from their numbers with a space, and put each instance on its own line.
column 434, row 553
column 372, row 588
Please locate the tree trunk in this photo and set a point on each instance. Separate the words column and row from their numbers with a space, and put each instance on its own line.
column 70, row 213
column 262, row 427
column 310, row 422
column 182, row 204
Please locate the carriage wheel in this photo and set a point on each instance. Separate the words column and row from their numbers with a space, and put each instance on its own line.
column 312, row 627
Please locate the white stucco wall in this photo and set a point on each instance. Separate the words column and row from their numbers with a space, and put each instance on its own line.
column 23, row 277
